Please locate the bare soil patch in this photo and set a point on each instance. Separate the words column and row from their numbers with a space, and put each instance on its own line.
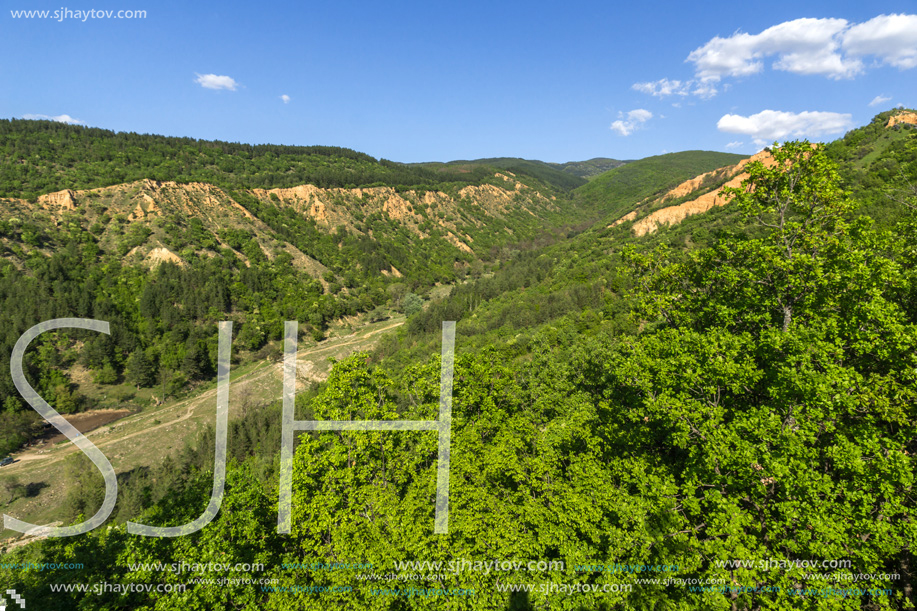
column 85, row 422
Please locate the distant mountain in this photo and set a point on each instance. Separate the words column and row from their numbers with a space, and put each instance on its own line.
column 590, row 168
column 548, row 173
column 563, row 176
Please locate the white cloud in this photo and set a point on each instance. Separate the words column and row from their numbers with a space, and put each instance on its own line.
column 631, row 121
column 891, row 38
column 286, row 99
column 58, row 118
column 803, row 46
column 879, row 99
column 214, row 81
column 734, row 144
column 662, row 88
column 665, row 87
column 772, row 125
column 704, row 90
column 834, row 48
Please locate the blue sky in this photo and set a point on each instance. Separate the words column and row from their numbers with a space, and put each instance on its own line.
column 423, row 81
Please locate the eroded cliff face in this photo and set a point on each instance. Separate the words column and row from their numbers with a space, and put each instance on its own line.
column 153, row 209
column 342, row 207
column 61, row 200
column 160, row 255
column 902, row 117
column 415, row 211
column 157, row 205
column 672, row 215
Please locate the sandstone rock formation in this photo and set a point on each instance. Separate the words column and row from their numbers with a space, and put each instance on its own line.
column 62, row 200
column 902, row 117
column 672, row 215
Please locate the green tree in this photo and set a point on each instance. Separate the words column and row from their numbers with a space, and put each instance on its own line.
column 106, row 375
column 139, row 369
column 808, row 261
column 779, row 392
column 800, row 200
column 15, row 429
column 411, row 304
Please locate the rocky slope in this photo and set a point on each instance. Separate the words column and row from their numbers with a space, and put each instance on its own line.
column 902, row 117
column 151, row 221
column 731, row 176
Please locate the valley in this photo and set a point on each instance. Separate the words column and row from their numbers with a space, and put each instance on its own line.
column 145, row 439
column 669, row 361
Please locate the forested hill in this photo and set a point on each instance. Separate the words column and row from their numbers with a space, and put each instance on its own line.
column 45, row 156
column 688, row 398
column 582, row 278
column 182, row 234
column 165, row 261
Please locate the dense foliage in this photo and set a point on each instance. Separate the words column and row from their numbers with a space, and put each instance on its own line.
column 615, row 402
column 45, row 156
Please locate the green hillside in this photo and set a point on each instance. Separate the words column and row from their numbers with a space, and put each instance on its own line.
column 877, row 165
column 165, row 261
column 874, row 160
column 613, row 192
column 45, row 156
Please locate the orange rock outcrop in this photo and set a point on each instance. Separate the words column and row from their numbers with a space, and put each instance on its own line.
column 675, row 214
column 902, row 117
